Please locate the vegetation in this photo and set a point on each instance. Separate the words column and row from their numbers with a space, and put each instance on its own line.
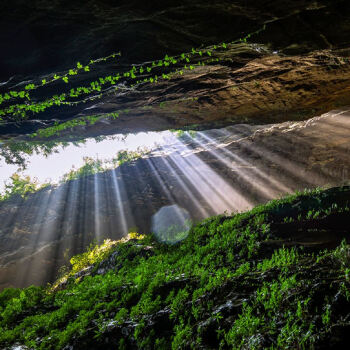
column 242, row 282
column 181, row 133
column 15, row 109
column 58, row 128
column 20, row 186
column 24, row 94
column 93, row 166
column 17, row 151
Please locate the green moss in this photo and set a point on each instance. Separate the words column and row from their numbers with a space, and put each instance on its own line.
column 235, row 282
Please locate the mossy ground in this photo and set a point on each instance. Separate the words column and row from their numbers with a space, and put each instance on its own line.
column 271, row 278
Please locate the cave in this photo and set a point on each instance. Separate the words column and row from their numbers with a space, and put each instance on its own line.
column 174, row 174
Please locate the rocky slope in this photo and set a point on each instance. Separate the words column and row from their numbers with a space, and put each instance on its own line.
column 257, row 280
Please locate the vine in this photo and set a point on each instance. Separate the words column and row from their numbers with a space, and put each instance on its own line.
column 58, row 128
column 13, row 94
column 138, row 72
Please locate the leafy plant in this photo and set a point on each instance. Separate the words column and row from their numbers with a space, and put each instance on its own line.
column 21, row 110
column 20, row 186
column 218, row 288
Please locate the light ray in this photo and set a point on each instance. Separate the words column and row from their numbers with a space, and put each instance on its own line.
column 191, row 194
column 170, row 197
column 119, row 203
column 215, row 189
column 47, row 219
column 257, row 179
column 97, row 220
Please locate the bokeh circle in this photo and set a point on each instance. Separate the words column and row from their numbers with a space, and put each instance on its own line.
column 171, row 224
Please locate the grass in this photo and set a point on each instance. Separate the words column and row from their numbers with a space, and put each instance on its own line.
column 235, row 282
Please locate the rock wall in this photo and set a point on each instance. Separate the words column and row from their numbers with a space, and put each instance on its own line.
column 228, row 169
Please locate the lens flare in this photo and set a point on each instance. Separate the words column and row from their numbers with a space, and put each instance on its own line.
column 171, row 224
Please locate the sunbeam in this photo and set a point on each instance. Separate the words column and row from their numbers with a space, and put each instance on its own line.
column 119, row 203
column 204, row 173
column 97, row 217
column 214, row 189
column 260, row 182
column 201, row 208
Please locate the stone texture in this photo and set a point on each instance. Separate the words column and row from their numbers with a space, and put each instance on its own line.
column 253, row 85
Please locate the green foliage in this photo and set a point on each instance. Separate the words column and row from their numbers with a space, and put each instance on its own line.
column 20, row 94
column 183, row 133
column 93, row 255
column 24, row 185
column 16, row 152
column 93, row 166
column 281, row 258
column 20, row 186
column 138, row 74
column 192, row 286
column 174, row 233
column 244, row 328
column 58, row 128
column 128, row 156
column 7, row 294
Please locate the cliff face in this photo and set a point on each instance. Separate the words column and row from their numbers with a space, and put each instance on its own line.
column 251, row 87
column 227, row 169
column 298, row 66
column 290, row 64
column 43, row 36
